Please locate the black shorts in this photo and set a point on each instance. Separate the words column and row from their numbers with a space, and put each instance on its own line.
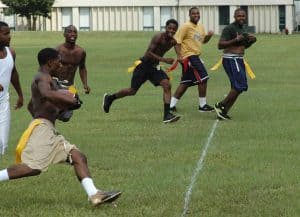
column 193, row 71
column 147, row 71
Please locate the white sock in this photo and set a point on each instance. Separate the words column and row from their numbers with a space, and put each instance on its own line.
column 173, row 101
column 4, row 175
column 89, row 187
column 202, row 101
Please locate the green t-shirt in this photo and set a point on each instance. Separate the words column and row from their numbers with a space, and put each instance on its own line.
column 230, row 32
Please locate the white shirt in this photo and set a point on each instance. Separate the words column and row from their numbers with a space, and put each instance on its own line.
column 6, row 67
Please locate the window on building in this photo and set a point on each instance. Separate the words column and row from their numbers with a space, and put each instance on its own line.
column 281, row 9
column 223, row 15
column 165, row 14
column 84, row 19
column 66, row 17
column 148, row 18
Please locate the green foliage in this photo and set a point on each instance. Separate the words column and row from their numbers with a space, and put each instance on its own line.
column 30, row 9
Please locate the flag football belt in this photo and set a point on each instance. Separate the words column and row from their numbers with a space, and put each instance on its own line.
column 235, row 57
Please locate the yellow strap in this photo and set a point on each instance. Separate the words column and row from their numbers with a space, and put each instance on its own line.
column 247, row 67
column 24, row 138
column 217, row 65
column 249, row 70
column 72, row 89
column 135, row 64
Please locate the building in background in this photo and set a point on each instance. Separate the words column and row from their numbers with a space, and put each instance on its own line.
column 264, row 16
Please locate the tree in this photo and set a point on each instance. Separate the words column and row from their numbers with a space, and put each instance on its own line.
column 31, row 9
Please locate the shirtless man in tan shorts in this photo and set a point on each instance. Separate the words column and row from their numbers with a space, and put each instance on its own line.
column 41, row 145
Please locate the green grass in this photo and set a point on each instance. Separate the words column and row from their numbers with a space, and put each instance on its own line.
column 252, row 164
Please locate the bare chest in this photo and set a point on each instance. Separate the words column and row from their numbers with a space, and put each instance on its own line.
column 71, row 57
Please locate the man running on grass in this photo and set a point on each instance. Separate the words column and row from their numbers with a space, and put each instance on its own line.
column 149, row 69
column 41, row 144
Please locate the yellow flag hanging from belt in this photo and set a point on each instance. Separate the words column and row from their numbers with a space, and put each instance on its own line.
column 249, row 70
column 135, row 64
column 24, row 139
column 247, row 67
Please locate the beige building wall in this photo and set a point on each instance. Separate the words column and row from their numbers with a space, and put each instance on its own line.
column 128, row 15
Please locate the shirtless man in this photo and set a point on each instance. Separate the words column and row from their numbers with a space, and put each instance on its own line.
column 149, row 69
column 73, row 56
column 41, row 144
column 234, row 41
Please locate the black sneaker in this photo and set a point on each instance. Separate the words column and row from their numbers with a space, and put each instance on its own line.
column 170, row 118
column 206, row 108
column 173, row 109
column 106, row 102
column 220, row 110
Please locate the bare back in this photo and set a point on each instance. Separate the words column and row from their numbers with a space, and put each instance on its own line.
column 71, row 59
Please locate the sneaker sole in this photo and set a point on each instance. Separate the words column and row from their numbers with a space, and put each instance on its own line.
column 176, row 118
column 219, row 114
column 112, row 198
column 103, row 100
column 109, row 199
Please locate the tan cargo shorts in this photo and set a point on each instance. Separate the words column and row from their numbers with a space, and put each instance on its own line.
column 46, row 146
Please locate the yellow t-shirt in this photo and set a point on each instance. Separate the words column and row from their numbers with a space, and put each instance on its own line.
column 190, row 36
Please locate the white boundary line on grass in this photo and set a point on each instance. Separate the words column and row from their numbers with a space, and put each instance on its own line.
column 198, row 169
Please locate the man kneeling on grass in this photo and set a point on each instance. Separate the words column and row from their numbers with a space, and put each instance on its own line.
column 41, row 145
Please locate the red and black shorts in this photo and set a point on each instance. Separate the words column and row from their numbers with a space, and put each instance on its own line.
column 193, row 71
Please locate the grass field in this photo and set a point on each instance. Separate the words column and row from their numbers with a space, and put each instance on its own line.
column 251, row 167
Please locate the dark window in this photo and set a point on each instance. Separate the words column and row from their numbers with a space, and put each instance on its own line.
column 223, row 15
column 281, row 9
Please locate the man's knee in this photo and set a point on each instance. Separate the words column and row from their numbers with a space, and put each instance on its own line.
column 78, row 157
column 165, row 84
column 132, row 92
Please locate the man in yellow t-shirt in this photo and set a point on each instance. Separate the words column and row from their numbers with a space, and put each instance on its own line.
column 190, row 38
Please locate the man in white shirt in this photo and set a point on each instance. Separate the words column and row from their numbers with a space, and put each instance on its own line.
column 8, row 74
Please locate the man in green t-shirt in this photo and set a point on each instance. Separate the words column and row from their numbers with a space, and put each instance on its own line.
column 234, row 41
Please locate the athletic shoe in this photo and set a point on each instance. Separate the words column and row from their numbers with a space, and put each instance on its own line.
column 206, row 108
column 173, row 109
column 220, row 110
column 226, row 116
column 170, row 118
column 104, row 197
column 106, row 102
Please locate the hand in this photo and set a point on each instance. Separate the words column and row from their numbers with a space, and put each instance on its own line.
column 1, row 88
column 19, row 103
column 168, row 60
column 251, row 37
column 239, row 37
column 180, row 59
column 77, row 104
column 87, row 89
column 210, row 33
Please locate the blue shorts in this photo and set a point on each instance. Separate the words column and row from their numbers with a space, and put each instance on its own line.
column 235, row 68
column 193, row 71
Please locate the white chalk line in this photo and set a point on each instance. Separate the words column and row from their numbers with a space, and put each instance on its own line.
column 198, row 169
